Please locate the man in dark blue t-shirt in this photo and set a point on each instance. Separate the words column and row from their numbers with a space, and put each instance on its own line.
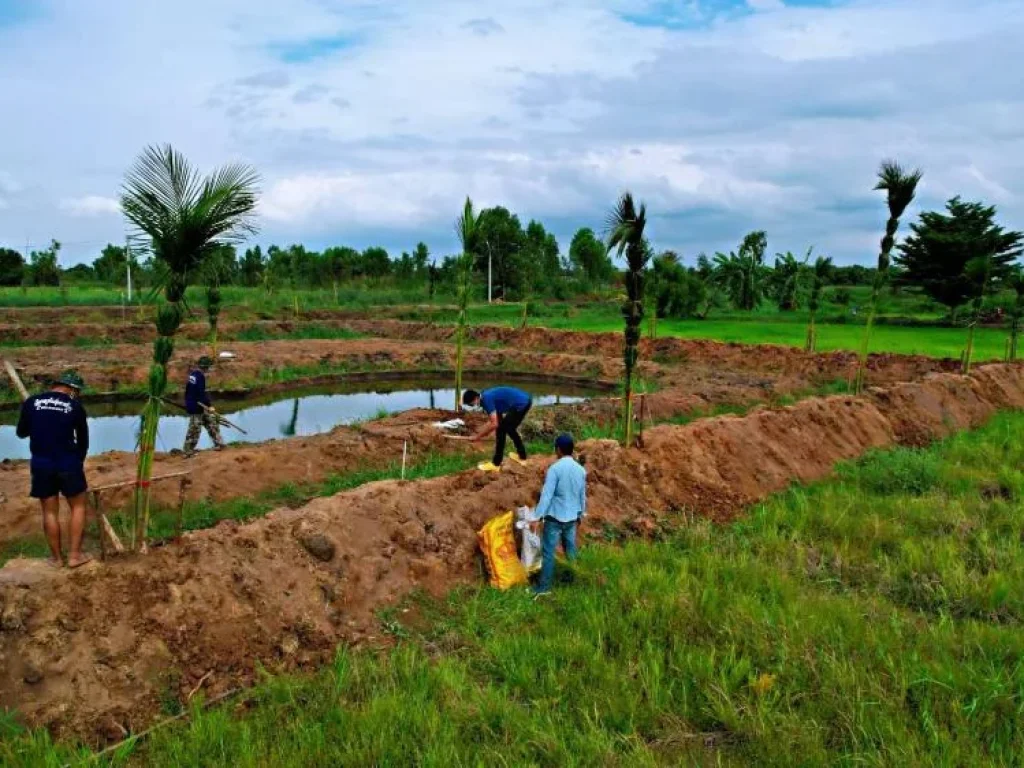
column 200, row 411
column 507, row 407
column 55, row 423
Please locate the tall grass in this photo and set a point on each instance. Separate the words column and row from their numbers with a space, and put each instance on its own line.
column 869, row 620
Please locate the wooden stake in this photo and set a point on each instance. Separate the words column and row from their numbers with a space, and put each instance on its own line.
column 181, row 503
column 95, row 496
column 15, row 379
column 405, row 451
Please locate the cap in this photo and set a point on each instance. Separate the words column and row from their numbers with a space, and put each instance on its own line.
column 564, row 443
column 71, row 379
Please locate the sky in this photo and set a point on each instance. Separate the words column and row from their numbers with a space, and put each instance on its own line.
column 370, row 122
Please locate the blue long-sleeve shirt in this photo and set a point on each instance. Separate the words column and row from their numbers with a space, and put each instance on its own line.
column 195, row 392
column 564, row 496
column 57, row 430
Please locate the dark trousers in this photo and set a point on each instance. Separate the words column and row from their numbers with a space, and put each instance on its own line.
column 508, row 426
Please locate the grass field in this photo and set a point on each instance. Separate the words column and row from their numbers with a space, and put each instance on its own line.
column 904, row 325
column 873, row 619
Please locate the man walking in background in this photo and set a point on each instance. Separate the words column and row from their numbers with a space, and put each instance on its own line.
column 200, row 411
column 55, row 424
column 562, row 506
column 507, row 407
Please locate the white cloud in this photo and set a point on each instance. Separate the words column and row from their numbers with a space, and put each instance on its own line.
column 90, row 205
column 370, row 122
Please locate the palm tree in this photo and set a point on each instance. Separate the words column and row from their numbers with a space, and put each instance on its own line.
column 820, row 275
column 626, row 234
column 786, row 279
column 1016, row 282
column 900, row 187
column 180, row 218
column 741, row 274
column 467, row 229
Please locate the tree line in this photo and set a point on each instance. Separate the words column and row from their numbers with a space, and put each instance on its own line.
column 956, row 257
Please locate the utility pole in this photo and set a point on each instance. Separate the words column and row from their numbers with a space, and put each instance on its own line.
column 128, row 263
column 489, row 255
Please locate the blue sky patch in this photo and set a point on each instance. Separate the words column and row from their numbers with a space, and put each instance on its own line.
column 17, row 11
column 310, row 50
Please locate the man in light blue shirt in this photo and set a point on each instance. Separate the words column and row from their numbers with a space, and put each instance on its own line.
column 562, row 506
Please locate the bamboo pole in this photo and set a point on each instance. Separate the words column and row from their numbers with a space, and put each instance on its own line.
column 15, row 379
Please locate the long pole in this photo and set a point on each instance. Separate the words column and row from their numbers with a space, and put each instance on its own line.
column 128, row 262
column 489, row 273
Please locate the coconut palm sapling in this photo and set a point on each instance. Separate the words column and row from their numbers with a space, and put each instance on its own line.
column 626, row 225
column 180, row 218
column 820, row 275
column 900, row 187
column 467, row 229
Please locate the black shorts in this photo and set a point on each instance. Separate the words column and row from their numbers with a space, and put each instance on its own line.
column 47, row 483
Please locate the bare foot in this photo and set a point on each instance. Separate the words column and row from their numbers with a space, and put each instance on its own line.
column 55, row 562
column 77, row 562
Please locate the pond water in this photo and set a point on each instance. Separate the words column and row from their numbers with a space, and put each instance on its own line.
column 114, row 426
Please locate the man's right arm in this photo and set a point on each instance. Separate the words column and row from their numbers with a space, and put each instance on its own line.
column 25, row 420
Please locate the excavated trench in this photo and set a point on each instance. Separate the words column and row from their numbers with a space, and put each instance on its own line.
column 91, row 651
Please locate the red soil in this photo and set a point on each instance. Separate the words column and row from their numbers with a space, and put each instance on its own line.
column 100, row 644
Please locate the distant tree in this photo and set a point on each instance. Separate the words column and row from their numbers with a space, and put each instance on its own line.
column 854, row 274
column 589, row 256
column 433, row 274
column 251, row 266
column 937, row 254
column 404, row 268
column 541, row 263
column 375, row 262
column 220, row 265
column 502, row 241
column 112, row 264
column 821, row 273
column 785, row 280
column 421, row 259
column 742, row 274
column 900, row 187
column 678, row 292
column 80, row 273
column 626, row 225
column 44, row 266
column 12, row 267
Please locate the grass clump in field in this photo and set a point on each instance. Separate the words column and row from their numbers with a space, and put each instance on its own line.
column 849, row 622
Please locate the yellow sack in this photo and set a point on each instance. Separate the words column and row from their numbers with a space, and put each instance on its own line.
column 498, row 543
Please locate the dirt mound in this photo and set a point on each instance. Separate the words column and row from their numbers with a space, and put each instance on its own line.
column 93, row 651
column 127, row 365
column 247, row 469
column 773, row 360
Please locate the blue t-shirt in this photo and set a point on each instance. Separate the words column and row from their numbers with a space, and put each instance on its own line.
column 195, row 392
column 57, row 430
column 504, row 399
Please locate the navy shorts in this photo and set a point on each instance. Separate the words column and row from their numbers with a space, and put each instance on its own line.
column 47, row 483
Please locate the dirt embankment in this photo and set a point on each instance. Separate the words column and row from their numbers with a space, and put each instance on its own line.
column 250, row 469
column 127, row 365
column 773, row 360
column 92, row 651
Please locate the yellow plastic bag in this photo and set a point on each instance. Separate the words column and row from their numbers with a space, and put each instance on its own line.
column 498, row 543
